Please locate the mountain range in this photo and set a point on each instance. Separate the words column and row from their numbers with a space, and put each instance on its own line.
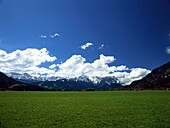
column 77, row 83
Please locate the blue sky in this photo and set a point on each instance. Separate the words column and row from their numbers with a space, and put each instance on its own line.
column 135, row 32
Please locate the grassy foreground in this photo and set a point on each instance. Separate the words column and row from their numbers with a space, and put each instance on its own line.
column 114, row 109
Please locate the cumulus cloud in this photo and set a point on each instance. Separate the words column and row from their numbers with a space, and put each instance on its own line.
column 76, row 66
column 26, row 61
column 168, row 50
column 101, row 46
column 134, row 74
column 86, row 45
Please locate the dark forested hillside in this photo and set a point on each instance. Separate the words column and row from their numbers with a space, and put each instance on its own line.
column 159, row 78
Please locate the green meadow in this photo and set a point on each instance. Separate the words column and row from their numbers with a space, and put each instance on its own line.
column 98, row 109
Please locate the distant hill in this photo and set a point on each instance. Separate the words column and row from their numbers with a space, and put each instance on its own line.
column 159, row 78
column 7, row 83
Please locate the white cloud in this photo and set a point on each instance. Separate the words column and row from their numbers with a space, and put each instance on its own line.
column 101, row 46
column 30, row 60
column 118, row 68
column 77, row 66
column 56, row 34
column 53, row 66
column 86, row 45
column 52, row 36
column 43, row 36
column 168, row 50
column 26, row 61
column 134, row 74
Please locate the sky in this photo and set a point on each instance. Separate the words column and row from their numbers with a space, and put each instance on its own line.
column 69, row 38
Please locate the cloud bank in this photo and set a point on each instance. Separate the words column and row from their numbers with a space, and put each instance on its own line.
column 76, row 66
column 86, row 45
column 30, row 60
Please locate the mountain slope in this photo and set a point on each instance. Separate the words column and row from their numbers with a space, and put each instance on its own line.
column 159, row 78
column 7, row 83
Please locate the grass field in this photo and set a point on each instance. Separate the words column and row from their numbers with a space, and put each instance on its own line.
column 102, row 109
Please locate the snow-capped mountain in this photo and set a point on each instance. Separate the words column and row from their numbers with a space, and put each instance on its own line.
column 82, row 78
column 27, row 77
column 77, row 83
column 24, row 76
column 97, row 80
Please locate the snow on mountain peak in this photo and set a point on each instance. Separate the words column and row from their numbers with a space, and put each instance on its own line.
column 89, row 79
